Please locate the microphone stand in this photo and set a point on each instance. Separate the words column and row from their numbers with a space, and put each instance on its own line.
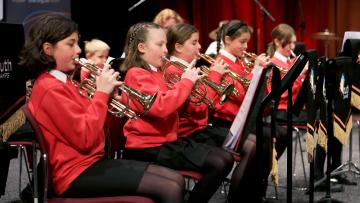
column 136, row 5
column 265, row 12
column 302, row 23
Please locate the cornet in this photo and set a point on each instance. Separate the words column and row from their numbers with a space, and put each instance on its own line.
column 198, row 94
column 249, row 59
column 232, row 74
column 118, row 109
column 224, row 90
column 253, row 57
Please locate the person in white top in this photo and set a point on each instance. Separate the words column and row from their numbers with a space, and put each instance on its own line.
column 212, row 49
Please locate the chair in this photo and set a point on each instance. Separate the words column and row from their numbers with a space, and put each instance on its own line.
column 16, row 134
column 190, row 175
column 297, row 129
column 46, row 179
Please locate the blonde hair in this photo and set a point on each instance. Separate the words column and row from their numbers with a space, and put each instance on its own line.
column 167, row 14
column 95, row 45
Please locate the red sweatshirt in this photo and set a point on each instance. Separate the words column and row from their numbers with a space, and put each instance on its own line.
column 296, row 86
column 194, row 117
column 72, row 126
column 229, row 109
column 160, row 124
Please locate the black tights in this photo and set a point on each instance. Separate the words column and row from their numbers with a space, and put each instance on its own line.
column 217, row 166
column 243, row 177
column 162, row 184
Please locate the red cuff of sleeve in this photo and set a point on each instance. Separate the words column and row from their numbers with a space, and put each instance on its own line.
column 187, row 83
column 101, row 96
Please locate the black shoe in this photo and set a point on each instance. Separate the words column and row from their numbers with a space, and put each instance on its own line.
column 334, row 187
column 343, row 179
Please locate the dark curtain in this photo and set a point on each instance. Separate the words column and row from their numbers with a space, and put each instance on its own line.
column 306, row 16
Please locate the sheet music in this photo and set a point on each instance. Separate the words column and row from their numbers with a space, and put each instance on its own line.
column 350, row 35
column 238, row 124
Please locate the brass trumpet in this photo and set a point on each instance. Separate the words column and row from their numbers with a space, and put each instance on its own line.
column 116, row 108
column 252, row 57
column 232, row 74
column 197, row 95
column 224, row 90
column 249, row 59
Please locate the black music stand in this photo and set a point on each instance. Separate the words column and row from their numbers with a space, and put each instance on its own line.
column 299, row 48
column 301, row 99
column 329, row 95
column 345, row 64
column 245, row 119
column 242, row 125
column 314, row 91
column 286, row 85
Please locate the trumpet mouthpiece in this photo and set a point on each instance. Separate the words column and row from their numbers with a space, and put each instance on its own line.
column 164, row 58
column 80, row 61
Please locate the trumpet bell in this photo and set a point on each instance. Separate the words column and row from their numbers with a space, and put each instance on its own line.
column 228, row 90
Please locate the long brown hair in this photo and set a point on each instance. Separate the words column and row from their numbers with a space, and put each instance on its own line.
column 136, row 34
column 283, row 32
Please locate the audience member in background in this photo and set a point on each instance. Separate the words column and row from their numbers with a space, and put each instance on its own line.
column 212, row 49
column 167, row 18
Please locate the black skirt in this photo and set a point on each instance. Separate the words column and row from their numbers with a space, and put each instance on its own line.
column 108, row 178
column 212, row 135
column 183, row 154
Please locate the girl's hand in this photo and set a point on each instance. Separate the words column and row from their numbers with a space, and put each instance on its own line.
column 192, row 74
column 220, row 66
column 262, row 60
column 107, row 80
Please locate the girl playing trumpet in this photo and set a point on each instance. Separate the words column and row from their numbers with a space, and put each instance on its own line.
column 235, row 35
column 73, row 126
column 154, row 137
column 183, row 46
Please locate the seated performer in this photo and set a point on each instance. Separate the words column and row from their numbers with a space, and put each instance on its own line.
column 281, row 52
column 72, row 125
column 183, row 47
column 236, row 35
column 154, row 135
